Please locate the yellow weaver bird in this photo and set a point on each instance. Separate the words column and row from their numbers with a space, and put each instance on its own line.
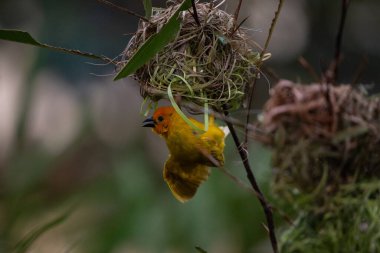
column 191, row 152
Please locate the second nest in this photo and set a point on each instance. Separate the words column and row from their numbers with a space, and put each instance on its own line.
column 323, row 136
column 212, row 62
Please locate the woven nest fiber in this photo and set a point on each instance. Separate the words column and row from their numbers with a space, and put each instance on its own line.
column 207, row 63
column 323, row 136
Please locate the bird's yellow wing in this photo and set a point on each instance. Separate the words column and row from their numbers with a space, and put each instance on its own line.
column 184, row 179
column 213, row 145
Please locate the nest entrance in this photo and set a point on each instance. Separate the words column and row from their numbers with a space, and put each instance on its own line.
column 207, row 63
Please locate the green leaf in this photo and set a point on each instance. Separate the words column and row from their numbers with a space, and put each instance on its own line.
column 154, row 44
column 23, row 245
column 206, row 116
column 148, row 8
column 19, row 36
column 179, row 111
column 200, row 250
column 26, row 38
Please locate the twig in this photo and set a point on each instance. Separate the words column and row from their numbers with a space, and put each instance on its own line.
column 359, row 70
column 238, row 26
column 271, row 29
column 248, row 116
column 270, row 73
column 237, row 181
column 252, row 89
column 264, row 203
column 332, row 71
column 244, row 186
column 338, row 43
column 306, row 65
column 123, row 9
column 195, row 14
column 237, row 11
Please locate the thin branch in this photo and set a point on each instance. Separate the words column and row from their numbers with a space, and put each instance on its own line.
column 264, row 203
column 195, row 13
column 238, row 26
column 252, row 89
column 237, row 11
column 306, row 65
column 332, row 71
column 270, row 73
column 244, row 186
column 272, row 26
column 338, row 43
column 237, row 181
column 123, row 9
column 248, row 116
column 359, row 70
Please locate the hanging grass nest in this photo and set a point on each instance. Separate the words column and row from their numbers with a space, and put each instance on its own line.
column 323, row 137
column 211, row 62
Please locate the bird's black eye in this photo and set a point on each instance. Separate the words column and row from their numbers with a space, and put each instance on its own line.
column 160, row 118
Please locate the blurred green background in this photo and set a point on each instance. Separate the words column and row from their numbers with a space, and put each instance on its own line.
column 79, row 174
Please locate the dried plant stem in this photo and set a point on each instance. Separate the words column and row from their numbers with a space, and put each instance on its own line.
column 306, row 65
column 338, row 42
column 338, row 45
column 237, row 11
column 244, row 186
column 250, row 100
column 195, row 14
column 272, row 26
column 332, row 71
column 252, row 88
column 123, row 9
column 264, row 203
column 359, row 70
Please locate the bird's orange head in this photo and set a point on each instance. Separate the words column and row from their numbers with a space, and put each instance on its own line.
column 160, row 120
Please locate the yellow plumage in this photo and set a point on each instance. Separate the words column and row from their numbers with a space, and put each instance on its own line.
column 191, row 152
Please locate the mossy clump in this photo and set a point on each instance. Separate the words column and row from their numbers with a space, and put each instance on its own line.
column 212, row 61
column 349, row 223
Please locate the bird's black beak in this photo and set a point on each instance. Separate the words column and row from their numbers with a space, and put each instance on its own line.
column 149, row 122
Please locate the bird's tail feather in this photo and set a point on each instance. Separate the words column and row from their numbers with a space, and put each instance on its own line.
column 183, row 179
